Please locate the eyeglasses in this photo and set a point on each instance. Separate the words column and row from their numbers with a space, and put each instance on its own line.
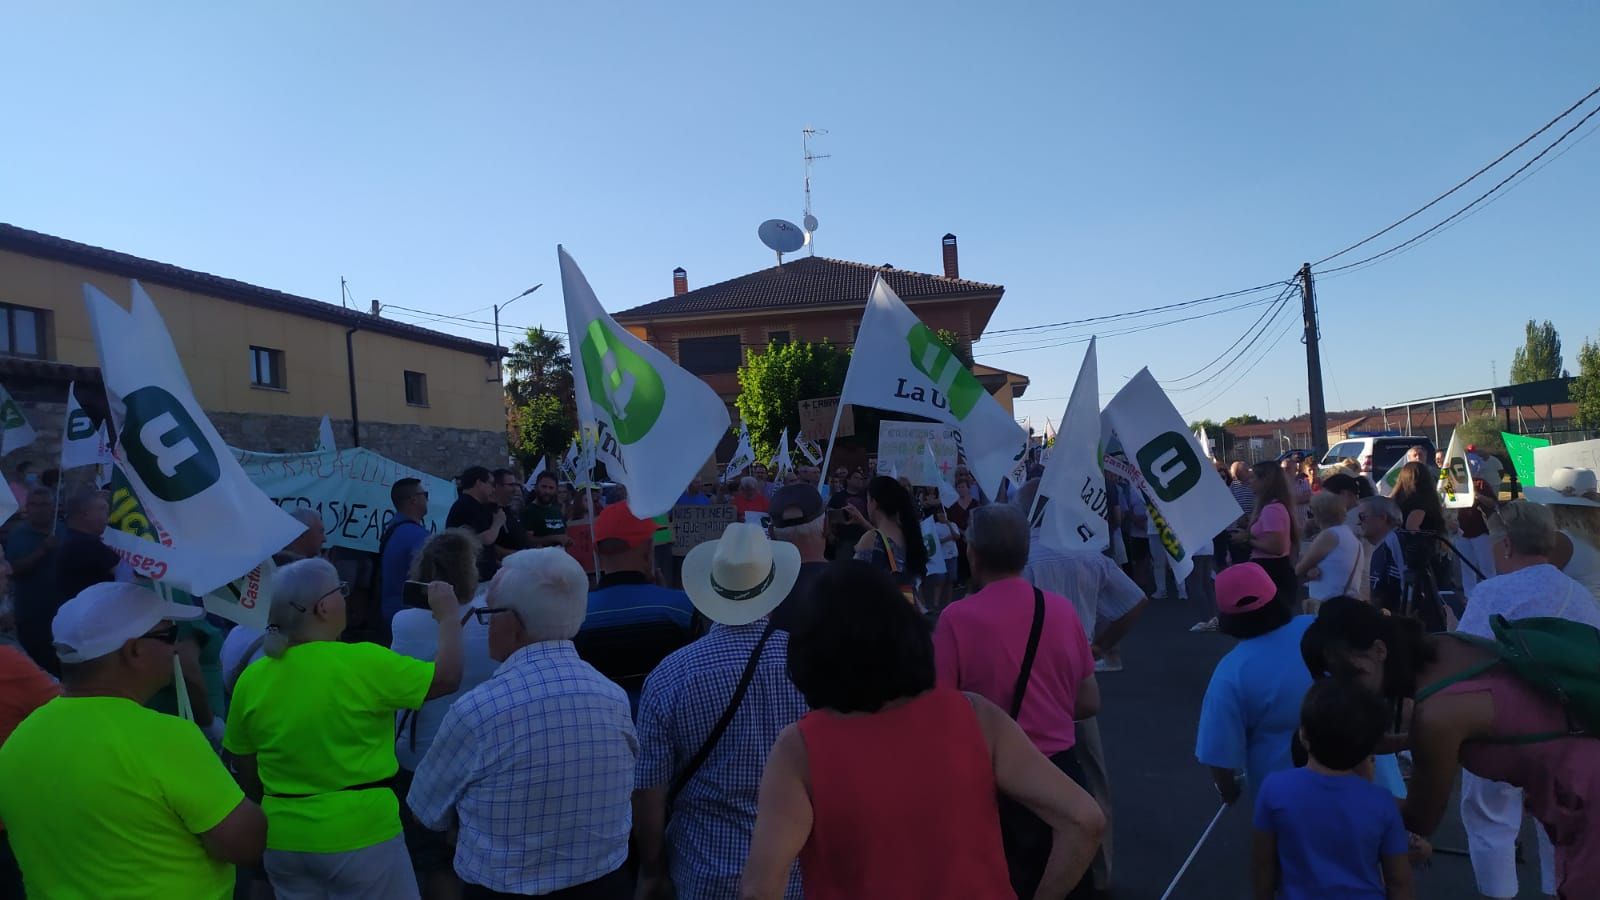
column 486, row 614
column 343, row 590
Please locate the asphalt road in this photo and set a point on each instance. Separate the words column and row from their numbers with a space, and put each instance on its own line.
column 1163, row 799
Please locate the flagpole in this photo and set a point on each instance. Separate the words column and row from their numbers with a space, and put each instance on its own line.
column 827, row 457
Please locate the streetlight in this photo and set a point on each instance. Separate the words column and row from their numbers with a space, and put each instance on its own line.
column 497, row 308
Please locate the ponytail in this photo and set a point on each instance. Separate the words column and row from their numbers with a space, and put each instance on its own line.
column 275, row 642
column 894, row 500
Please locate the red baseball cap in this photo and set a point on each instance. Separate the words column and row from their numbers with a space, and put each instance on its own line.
column 1244, row 588
column 617, row 523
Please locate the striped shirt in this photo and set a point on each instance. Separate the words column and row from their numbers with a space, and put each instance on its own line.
column 537, row 765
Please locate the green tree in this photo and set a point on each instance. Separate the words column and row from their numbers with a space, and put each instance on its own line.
column 1483, row 432
column 1539, row 358
column 950, row 339
column 1586, row 387
column 543, row 410
column 542, row 429
column 1245, row 419
column 774, row 381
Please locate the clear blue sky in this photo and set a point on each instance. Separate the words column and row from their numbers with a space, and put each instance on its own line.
column 1093, row 158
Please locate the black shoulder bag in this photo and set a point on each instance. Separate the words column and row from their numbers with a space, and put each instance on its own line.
column 1032, row 651
column 704, row 753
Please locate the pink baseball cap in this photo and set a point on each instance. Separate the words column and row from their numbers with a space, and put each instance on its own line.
column 1244, row 588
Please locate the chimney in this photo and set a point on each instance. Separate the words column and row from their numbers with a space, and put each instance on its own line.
column 952, row 266
column 376, row 306
column 680, row 282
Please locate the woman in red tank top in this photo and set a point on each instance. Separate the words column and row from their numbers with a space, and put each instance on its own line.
column 888, row 788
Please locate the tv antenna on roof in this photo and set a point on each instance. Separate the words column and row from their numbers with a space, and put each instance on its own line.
column 781, row 237
column 810, row 221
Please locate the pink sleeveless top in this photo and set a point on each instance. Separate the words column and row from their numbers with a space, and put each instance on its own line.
column 1560, row 778
column 904, row 805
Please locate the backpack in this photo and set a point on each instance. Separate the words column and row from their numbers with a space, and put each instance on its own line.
column 1559, row 658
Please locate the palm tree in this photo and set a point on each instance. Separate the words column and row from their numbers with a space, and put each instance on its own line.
column 538, row 365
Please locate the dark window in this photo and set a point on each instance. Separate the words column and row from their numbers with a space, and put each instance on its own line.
column 778, row 337
column 22, row 330
column 266, row 368
column 710, row 355
column 416, row 389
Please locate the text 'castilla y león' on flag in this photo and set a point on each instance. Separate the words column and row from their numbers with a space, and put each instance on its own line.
column 900, row 364
column 198, row 523
column 655, row 424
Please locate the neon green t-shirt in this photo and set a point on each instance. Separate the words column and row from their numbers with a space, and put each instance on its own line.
column 103, row 798
column 318, row 719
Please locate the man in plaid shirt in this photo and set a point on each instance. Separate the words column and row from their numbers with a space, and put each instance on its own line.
column 536, row 764
column 694, row 809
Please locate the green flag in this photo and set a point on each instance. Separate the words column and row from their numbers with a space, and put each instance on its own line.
column 17, row 433
column 1520, row 448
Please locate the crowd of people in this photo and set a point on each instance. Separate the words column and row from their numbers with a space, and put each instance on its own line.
column 857, row 690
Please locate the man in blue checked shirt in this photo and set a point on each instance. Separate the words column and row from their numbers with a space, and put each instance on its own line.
column 695, row 806
column 535, row 765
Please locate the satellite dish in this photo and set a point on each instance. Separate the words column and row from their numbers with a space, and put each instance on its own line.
column 781, row 236
column 810, row 222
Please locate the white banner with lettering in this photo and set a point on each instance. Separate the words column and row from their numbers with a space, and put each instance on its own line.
column 350, row 488
column 902, row 448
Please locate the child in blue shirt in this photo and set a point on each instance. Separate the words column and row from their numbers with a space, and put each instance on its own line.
column 1326, row 832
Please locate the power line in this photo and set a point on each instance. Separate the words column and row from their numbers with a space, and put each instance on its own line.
column 1136, row 329
column 1138, row 312
column 1267, row 351
column 1471, row 178
column 1465, row 209
column 1283, row 305
column 1288, row 287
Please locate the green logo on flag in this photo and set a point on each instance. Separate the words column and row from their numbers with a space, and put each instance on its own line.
column 79, row 426
column 1170, row 465
column 935, row 360
column 166, row 447
column 10, row 416
column 622, row 383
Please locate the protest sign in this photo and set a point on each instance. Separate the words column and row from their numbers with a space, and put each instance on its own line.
column 1580, row 454
column 816, row 418
column 902, row 449
column 694, row 525
column 348, row 488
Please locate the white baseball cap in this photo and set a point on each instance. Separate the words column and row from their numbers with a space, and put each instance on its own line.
column 105, row 616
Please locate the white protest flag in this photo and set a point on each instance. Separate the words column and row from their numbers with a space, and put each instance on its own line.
column 665, row 420
column 782, row 464
column 82, row 442
column 533, row 477
column 1070, row 507
column 935, row 476
column 1193, row 503
column 1455, row 479
column 1387, row 482
column 1204, row 440
column 325, row 440
column 808, row 448
column 899, row 364
column 17, row 433
column 217, row 525
column 744, row 456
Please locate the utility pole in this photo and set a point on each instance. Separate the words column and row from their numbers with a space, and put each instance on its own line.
column 1319, row 412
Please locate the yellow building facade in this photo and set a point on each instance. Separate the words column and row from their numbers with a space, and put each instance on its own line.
column 265, row 365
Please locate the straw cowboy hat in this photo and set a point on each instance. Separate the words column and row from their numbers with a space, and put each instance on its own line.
column 1568, row 486
column 742, row 577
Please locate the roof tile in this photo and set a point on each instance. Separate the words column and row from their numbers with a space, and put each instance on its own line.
column 808, row 281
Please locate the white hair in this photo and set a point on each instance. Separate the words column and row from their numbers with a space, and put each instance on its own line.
column 546, row 588
column 295, row 588
column 307, row 516
column 748, row 483
column 794, row 534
